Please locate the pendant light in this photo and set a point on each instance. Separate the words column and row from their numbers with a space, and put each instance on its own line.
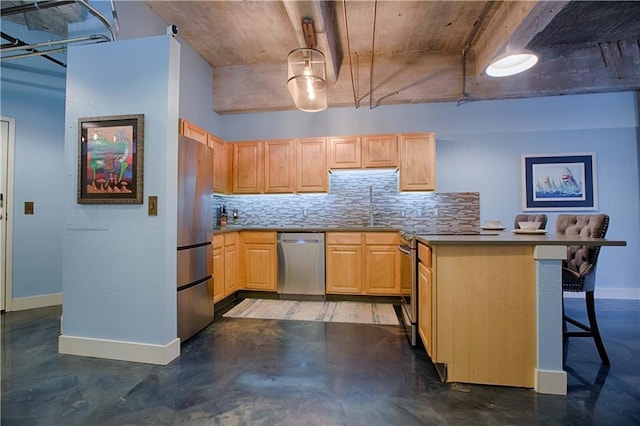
column 512, row 61
column 306, row 74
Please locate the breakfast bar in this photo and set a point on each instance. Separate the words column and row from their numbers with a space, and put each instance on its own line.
column 490, row 307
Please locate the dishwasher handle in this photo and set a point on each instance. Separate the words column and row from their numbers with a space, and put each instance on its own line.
column 299, row 241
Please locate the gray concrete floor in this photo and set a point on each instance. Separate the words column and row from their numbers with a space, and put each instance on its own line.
column 269, row 372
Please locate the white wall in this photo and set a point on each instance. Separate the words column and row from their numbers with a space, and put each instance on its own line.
column 479, row 147
column 119, row 267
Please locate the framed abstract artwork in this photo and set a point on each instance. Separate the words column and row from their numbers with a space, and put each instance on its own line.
column 559, row 182
column 110, row 159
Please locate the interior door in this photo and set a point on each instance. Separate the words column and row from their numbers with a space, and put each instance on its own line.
column 6, row 137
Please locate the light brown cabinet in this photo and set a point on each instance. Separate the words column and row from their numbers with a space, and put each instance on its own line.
column 425, row 296
column 379, row 151
column 247, row 168
column 279, row 166
column 221, row 165
column 312, row 174
column 362, row 263
column 343, row 263
column 259, row 260
column 345, row 153
column 225, row 265
column 381, row 263
column 417, row 162
column 192, row 131
column 480, row 324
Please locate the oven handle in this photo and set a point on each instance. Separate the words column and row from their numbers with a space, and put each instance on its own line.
column 404, row 249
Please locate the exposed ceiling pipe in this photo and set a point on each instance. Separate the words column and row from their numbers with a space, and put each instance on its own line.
column 467, row 45
column 373, row 45
column 17, row 42
column 346, row 28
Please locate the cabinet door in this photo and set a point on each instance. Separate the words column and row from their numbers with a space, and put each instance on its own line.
column 345, row 153
column 380, row 151
column 425, row 305
column 231, row 281
column 280, row 166
column 220, row 165
column 259, row 267
column 247, row 168
column 344, row 269
column 417, row 162
column 382, row 270
column 312, row 174
column 192, row 131
column 218, row 274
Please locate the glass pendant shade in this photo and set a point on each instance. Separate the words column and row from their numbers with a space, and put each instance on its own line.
column 306, row 79
column 511, row 62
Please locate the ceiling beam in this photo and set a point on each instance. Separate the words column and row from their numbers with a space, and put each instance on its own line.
column 515, row 23
column 324, row 20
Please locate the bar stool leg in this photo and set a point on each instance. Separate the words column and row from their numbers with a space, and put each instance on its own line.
column 593, row 324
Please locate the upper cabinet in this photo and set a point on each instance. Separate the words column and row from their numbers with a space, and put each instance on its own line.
column 247, row 168
column 192, row 131
column 312, row 174
column 417, row 162
column 366, row 152
column 221, row 165
column 345, row 153
column 280, row 166
column 380, row 151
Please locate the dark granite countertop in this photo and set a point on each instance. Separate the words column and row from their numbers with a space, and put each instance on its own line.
column 309, row 228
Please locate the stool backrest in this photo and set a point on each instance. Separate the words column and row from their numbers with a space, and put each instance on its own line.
column 581, row 260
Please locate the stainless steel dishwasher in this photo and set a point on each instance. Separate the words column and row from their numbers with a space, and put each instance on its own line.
column 301, row 263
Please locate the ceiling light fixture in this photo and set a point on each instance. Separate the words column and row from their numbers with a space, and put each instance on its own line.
column 306, row 74
column 512, row 61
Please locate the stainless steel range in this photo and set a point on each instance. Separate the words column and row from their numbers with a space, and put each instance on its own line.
column 409, row 284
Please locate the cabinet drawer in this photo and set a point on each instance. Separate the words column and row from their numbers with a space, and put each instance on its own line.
column 218, row 241
column 259, row 237
column 230, row 239
column 424, row 254
column 343, row 238
column 382, row 238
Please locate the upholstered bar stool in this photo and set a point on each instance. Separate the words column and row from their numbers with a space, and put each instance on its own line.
column 542, row 218
column 579, row 272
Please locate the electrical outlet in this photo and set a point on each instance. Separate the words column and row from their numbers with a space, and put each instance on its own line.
column 28, row 207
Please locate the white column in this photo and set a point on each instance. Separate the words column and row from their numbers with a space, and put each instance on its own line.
column 550, row 376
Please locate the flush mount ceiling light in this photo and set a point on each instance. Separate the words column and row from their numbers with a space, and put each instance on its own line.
column 512, row 61
column 306, row 74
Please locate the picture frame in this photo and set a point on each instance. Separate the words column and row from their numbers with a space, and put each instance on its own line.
column 559, row 182
column 110, row 159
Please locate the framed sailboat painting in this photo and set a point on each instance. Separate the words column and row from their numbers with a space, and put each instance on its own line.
column 559, row 182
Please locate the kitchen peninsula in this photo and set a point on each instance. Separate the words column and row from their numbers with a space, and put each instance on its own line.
column 490, row 309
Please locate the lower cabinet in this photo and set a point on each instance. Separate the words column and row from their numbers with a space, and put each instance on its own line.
column 259, row 260
column 362, row 263
column 425, row 298
column 343, row 263
column 225, row 265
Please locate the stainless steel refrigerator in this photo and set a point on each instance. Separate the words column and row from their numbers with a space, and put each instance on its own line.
column 195, row 222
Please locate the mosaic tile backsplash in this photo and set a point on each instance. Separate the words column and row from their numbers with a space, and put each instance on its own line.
column 352, row 195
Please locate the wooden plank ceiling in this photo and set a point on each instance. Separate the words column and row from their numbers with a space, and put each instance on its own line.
column 400, row 52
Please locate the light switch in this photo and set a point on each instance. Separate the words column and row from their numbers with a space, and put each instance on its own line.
column 28, row 207
column 153, row 205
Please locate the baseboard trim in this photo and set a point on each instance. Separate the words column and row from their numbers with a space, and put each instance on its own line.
column 551, row 382
column 609, row 293
column 23, row 303
column 119, row 350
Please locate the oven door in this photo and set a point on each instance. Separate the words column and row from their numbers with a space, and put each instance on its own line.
column 408, row 293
